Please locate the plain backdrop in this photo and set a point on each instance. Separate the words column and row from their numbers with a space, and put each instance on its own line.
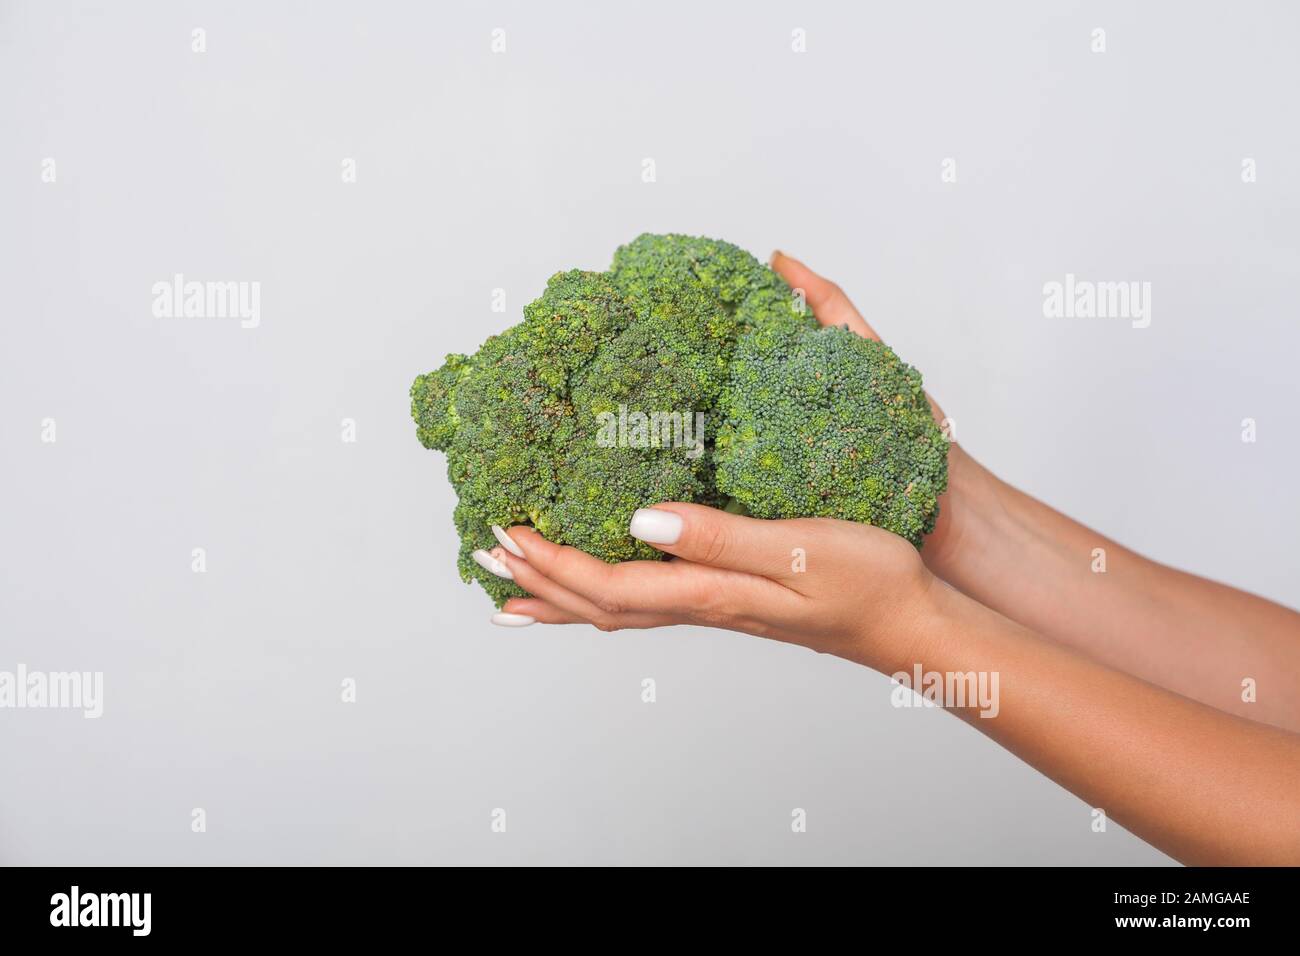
column 475, row 171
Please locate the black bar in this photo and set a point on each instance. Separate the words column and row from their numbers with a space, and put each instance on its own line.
column 335, row 905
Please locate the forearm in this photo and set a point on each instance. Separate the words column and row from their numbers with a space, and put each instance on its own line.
column 1041, row 569
column 1204, row 786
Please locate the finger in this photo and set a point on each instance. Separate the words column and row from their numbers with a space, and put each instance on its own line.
column 542, row 587
column 546, row 613
column 540, row 612
column 587, row 604
column 721, row 539
column 676, row 590
column 829, row 303
column 591, row 587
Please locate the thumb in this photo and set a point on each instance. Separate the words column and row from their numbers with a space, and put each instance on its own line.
column 719, row 539
column 829, row 303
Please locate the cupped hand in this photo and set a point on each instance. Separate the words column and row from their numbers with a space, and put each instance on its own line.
column 965, row 509
column 837, row 587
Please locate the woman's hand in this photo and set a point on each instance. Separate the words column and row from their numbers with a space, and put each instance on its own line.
column 1011, row 553
column 837, row 587
column 965, row 511
column 1078, row 588
column 1205, row 786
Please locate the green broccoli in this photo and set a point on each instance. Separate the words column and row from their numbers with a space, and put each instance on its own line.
column 688, row 372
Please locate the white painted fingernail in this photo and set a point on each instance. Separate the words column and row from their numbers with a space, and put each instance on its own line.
column 506, row 619
column 656, row 526
column 489, row 563
column 507, row 542
column 500, row 568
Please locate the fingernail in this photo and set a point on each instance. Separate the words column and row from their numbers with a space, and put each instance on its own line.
column 489, row 563
column 655, row 526
column 507, row 542
column 771, row 260
column 506, row 619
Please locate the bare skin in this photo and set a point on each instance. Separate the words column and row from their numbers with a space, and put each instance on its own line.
column 1123, row 687
column 1018, row 556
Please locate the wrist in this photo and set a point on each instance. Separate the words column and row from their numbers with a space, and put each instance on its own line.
column 972, row 521
column 913, row 626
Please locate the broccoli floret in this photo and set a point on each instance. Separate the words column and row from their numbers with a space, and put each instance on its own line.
column 653, row 262
column 688, row 372
column 825, row 423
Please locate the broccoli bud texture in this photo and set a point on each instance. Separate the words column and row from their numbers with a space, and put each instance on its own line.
column 687, row 372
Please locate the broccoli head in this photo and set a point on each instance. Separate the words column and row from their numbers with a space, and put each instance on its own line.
column 824, row 423
column 687, row 372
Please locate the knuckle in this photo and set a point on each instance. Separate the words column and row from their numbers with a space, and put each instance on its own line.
column 709, row 604
column 714, row 543
column 609, row 603
column 607, row 623
column 564, row 559
column 711, row 618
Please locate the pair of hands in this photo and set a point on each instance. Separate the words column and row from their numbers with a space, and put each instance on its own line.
column 1123, row 687
column 837, row 587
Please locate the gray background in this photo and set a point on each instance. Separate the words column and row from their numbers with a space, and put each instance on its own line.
column 329, row 560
